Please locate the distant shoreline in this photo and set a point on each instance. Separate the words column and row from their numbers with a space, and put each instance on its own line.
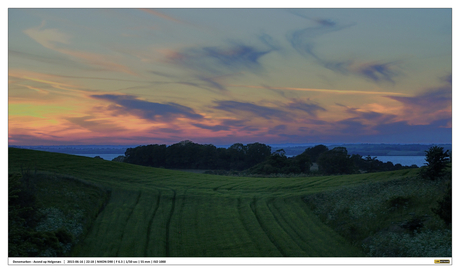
column 290, row 149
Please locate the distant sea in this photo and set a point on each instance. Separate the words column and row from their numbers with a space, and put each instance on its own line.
column 403, row 160
column 104, row 156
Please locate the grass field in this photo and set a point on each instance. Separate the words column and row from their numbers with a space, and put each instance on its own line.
column 166, row 213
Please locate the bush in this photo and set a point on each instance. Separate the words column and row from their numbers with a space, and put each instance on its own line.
column 444, row 209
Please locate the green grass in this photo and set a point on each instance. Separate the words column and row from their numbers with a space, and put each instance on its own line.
column 166, row 213
column 388, row 218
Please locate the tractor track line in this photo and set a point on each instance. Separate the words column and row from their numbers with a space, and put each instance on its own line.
column 168, row 223
column 264, row 229
column 127, row 221
column 241, row 217
column 271, row 207
column 150, row 224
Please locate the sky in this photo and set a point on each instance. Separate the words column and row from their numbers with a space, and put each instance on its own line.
column 222, row 76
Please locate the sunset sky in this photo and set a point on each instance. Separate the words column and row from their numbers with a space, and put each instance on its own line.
column 222, row 76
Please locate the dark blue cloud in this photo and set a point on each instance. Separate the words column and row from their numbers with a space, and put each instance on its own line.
column 351, row 126
column 435, row 132
column 234, row 122
column 447, row 79
column 214, row 128
column 371, row 116
column 239, row 124
column 303, row 40
column 309, row 108
column 218, row 60
column 326, row 22
column 315, row 121
column 127, row 104
column 379, row 72
column 245, row 108
column 269, row 42
column 167, row 130
column 212, row 83
column 277, row 129
column 430, row 101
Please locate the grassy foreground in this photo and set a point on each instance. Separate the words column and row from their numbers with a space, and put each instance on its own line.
column 165, row 213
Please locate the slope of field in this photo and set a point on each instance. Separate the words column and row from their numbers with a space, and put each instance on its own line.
column 165, row 213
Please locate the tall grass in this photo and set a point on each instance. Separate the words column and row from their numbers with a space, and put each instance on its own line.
column 390, row 218
column 64, row 208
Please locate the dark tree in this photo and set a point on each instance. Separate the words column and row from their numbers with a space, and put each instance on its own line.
column 437, row 160
column 315, row 152
column 256, row 153
column 237, row 155
column 336, row 161
column 303, row 162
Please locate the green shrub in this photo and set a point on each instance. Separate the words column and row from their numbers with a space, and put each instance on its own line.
column 444, row 208
column 383, row 217
column 398, row 202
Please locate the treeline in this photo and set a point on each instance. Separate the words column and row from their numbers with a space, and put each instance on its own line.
column 189, row 155
column 255, row 158
column 329, row 161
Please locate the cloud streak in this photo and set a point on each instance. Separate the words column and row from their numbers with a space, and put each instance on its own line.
column 309, row 108
column 238, row 108
column 59, row 41
column 128, row 104
column 219, row 60
column 89, row 123
column 363, row 92
column 433, row 103
column 303, row 40
column 378, row 72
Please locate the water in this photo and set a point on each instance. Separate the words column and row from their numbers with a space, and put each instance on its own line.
column 104, row 156
column 403, row 160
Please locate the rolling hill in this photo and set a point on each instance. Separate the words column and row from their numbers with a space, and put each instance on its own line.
column 149, row 212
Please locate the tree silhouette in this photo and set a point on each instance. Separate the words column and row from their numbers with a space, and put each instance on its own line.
column 437, row 160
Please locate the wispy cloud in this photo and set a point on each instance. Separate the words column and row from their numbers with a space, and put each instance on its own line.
column 277, row 129
column 59, row 41
column 270, row 42
column 309, row 108
column 369, row 117
column 433, row 103
column 219, row 60
column 162, row 15
column 379, row 72
column 214, row 128
column 128, row 104
column 94, row 125
column 363, row 92
column 303, row 40
column 245, row 108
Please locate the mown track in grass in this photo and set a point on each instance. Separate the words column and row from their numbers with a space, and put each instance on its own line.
column 159, row 213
